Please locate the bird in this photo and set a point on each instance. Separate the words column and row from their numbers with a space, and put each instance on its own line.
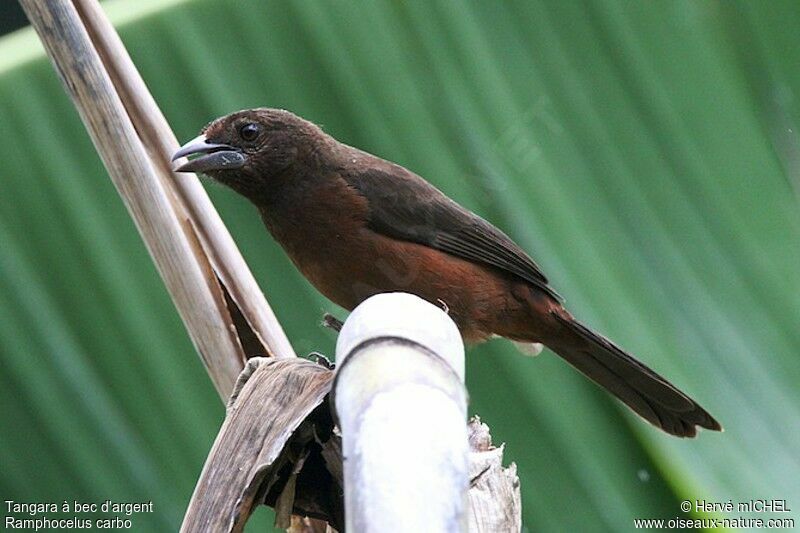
column 356, row 225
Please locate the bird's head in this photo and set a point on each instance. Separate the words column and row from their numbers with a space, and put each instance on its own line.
column 250, row 149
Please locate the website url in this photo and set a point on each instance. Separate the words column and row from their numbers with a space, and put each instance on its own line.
column 714, row 523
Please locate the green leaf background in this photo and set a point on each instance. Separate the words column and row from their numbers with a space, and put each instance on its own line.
column 647, row 154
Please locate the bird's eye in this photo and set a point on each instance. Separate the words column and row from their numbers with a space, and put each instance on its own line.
column 249, row 131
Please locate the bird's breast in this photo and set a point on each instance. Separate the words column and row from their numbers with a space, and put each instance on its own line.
column 321, row 227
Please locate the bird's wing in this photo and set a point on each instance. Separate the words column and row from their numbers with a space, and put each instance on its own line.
column 404, row 206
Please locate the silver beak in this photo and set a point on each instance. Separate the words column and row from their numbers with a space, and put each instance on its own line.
column 216, row 156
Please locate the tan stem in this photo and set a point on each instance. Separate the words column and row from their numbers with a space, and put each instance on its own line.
column 160, row 141
column 141, row 179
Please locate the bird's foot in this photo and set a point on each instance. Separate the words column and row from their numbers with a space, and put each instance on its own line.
column 321, row 360
column 330, row 321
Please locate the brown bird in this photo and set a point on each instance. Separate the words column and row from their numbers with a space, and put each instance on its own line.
column 357, row 225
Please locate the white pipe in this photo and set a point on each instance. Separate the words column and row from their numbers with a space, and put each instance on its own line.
column 401, row 403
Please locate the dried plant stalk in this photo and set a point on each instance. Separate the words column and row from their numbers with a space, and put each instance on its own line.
column 494, row 498
column 190, row 196
column 270, row 448
column 277, row 445
column 188, row 242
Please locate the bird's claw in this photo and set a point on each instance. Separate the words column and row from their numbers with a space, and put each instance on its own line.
column 321, row 360
column 330, row 321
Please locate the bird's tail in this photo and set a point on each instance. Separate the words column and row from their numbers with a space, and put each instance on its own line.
column 651, row 396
